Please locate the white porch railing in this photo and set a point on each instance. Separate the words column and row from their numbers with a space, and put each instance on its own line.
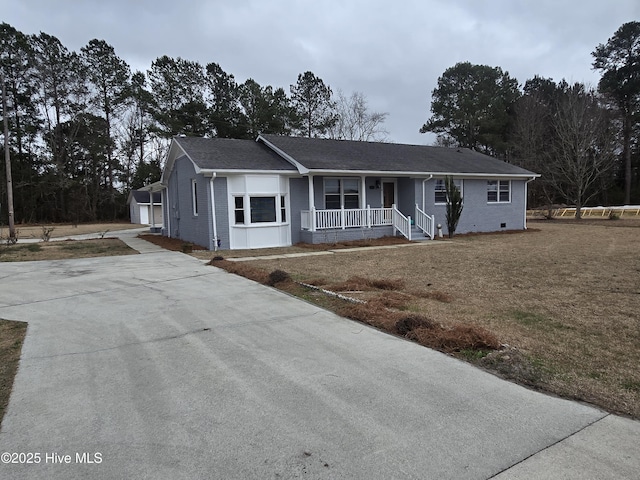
column 345, row 218
column 425, row 222
column 401, row 223
column 342, row 218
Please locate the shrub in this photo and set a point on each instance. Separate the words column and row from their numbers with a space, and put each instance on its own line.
column 411, row 322
column 46, row 233
column 278, row 276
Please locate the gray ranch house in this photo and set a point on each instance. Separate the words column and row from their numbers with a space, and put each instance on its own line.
column 278, row 191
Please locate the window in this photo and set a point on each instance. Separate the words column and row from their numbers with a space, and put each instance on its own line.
column 283, row 210
column 194, row 197
column 332, row 193
column 263, row 209
column 340, row 192
column 239, row 210
column 440, row 191
column 350, row 190
column 498, row 191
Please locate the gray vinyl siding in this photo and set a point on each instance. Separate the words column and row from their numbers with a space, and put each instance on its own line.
column 222, row 212
column 373, row 195
column 318, row 192
column 134, row 211
column 477, row 214
column 183, row 223
column 298, row 201
column 406, row 195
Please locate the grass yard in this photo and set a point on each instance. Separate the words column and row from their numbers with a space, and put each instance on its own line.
column 58, row 230
column 22, row 252
column 564, row 296
column 11, row 337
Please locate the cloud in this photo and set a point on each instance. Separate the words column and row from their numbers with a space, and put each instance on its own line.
column 393, row 52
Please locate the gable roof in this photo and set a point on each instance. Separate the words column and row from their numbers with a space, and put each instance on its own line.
column 230, row 154
column 300, row 155
column 141, row 196
column 324, row 155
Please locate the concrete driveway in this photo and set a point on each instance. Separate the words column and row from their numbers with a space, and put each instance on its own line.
column 157, row 366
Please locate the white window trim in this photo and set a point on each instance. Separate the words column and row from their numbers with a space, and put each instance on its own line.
column 194, row 197
column 490, row 202
column 341, row 179
column 246, row 207
column 234, row 209
column 460, row 187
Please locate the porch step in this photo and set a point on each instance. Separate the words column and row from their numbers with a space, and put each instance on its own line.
column 418, row 235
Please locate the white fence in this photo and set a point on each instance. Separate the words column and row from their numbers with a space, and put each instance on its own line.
column 599, row 211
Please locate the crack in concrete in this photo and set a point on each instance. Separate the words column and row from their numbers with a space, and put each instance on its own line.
column 124, row 345
column 164, row 339
column 107, row 290
column 549, row 446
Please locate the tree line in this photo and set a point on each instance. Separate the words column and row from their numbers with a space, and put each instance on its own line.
column 584, row 141
column 83, row 129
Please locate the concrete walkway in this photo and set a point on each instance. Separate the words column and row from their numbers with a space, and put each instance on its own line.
column 157, row 366
column 334, row 251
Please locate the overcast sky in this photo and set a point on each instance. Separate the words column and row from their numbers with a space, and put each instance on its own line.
column 392, row 51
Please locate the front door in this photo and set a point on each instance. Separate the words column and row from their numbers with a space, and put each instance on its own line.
column 388, row 194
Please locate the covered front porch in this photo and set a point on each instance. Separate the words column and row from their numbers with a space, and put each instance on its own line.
column 361, row 223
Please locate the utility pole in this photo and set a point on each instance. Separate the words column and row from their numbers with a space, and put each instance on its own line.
column 7, row 159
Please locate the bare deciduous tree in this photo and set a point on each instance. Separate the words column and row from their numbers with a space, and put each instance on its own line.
column 582, row 150
column 355, row 121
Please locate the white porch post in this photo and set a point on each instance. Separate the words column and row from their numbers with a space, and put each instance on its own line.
column 153, row 211
column 393, row 219
column 363, row 190
column 342, row 216
column 312, row 206
column 368, row 216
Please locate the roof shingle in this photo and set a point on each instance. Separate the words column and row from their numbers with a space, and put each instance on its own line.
column 231, row 154
column 331, row 155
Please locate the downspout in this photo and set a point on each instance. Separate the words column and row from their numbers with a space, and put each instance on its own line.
column 526, row 199
column 424, row 202
column 166, row 213
column 213, row 212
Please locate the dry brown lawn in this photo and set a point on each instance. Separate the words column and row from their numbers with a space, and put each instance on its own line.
column 11, row 337
column 64, row 249
column 564, row 296
column 65, row 230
